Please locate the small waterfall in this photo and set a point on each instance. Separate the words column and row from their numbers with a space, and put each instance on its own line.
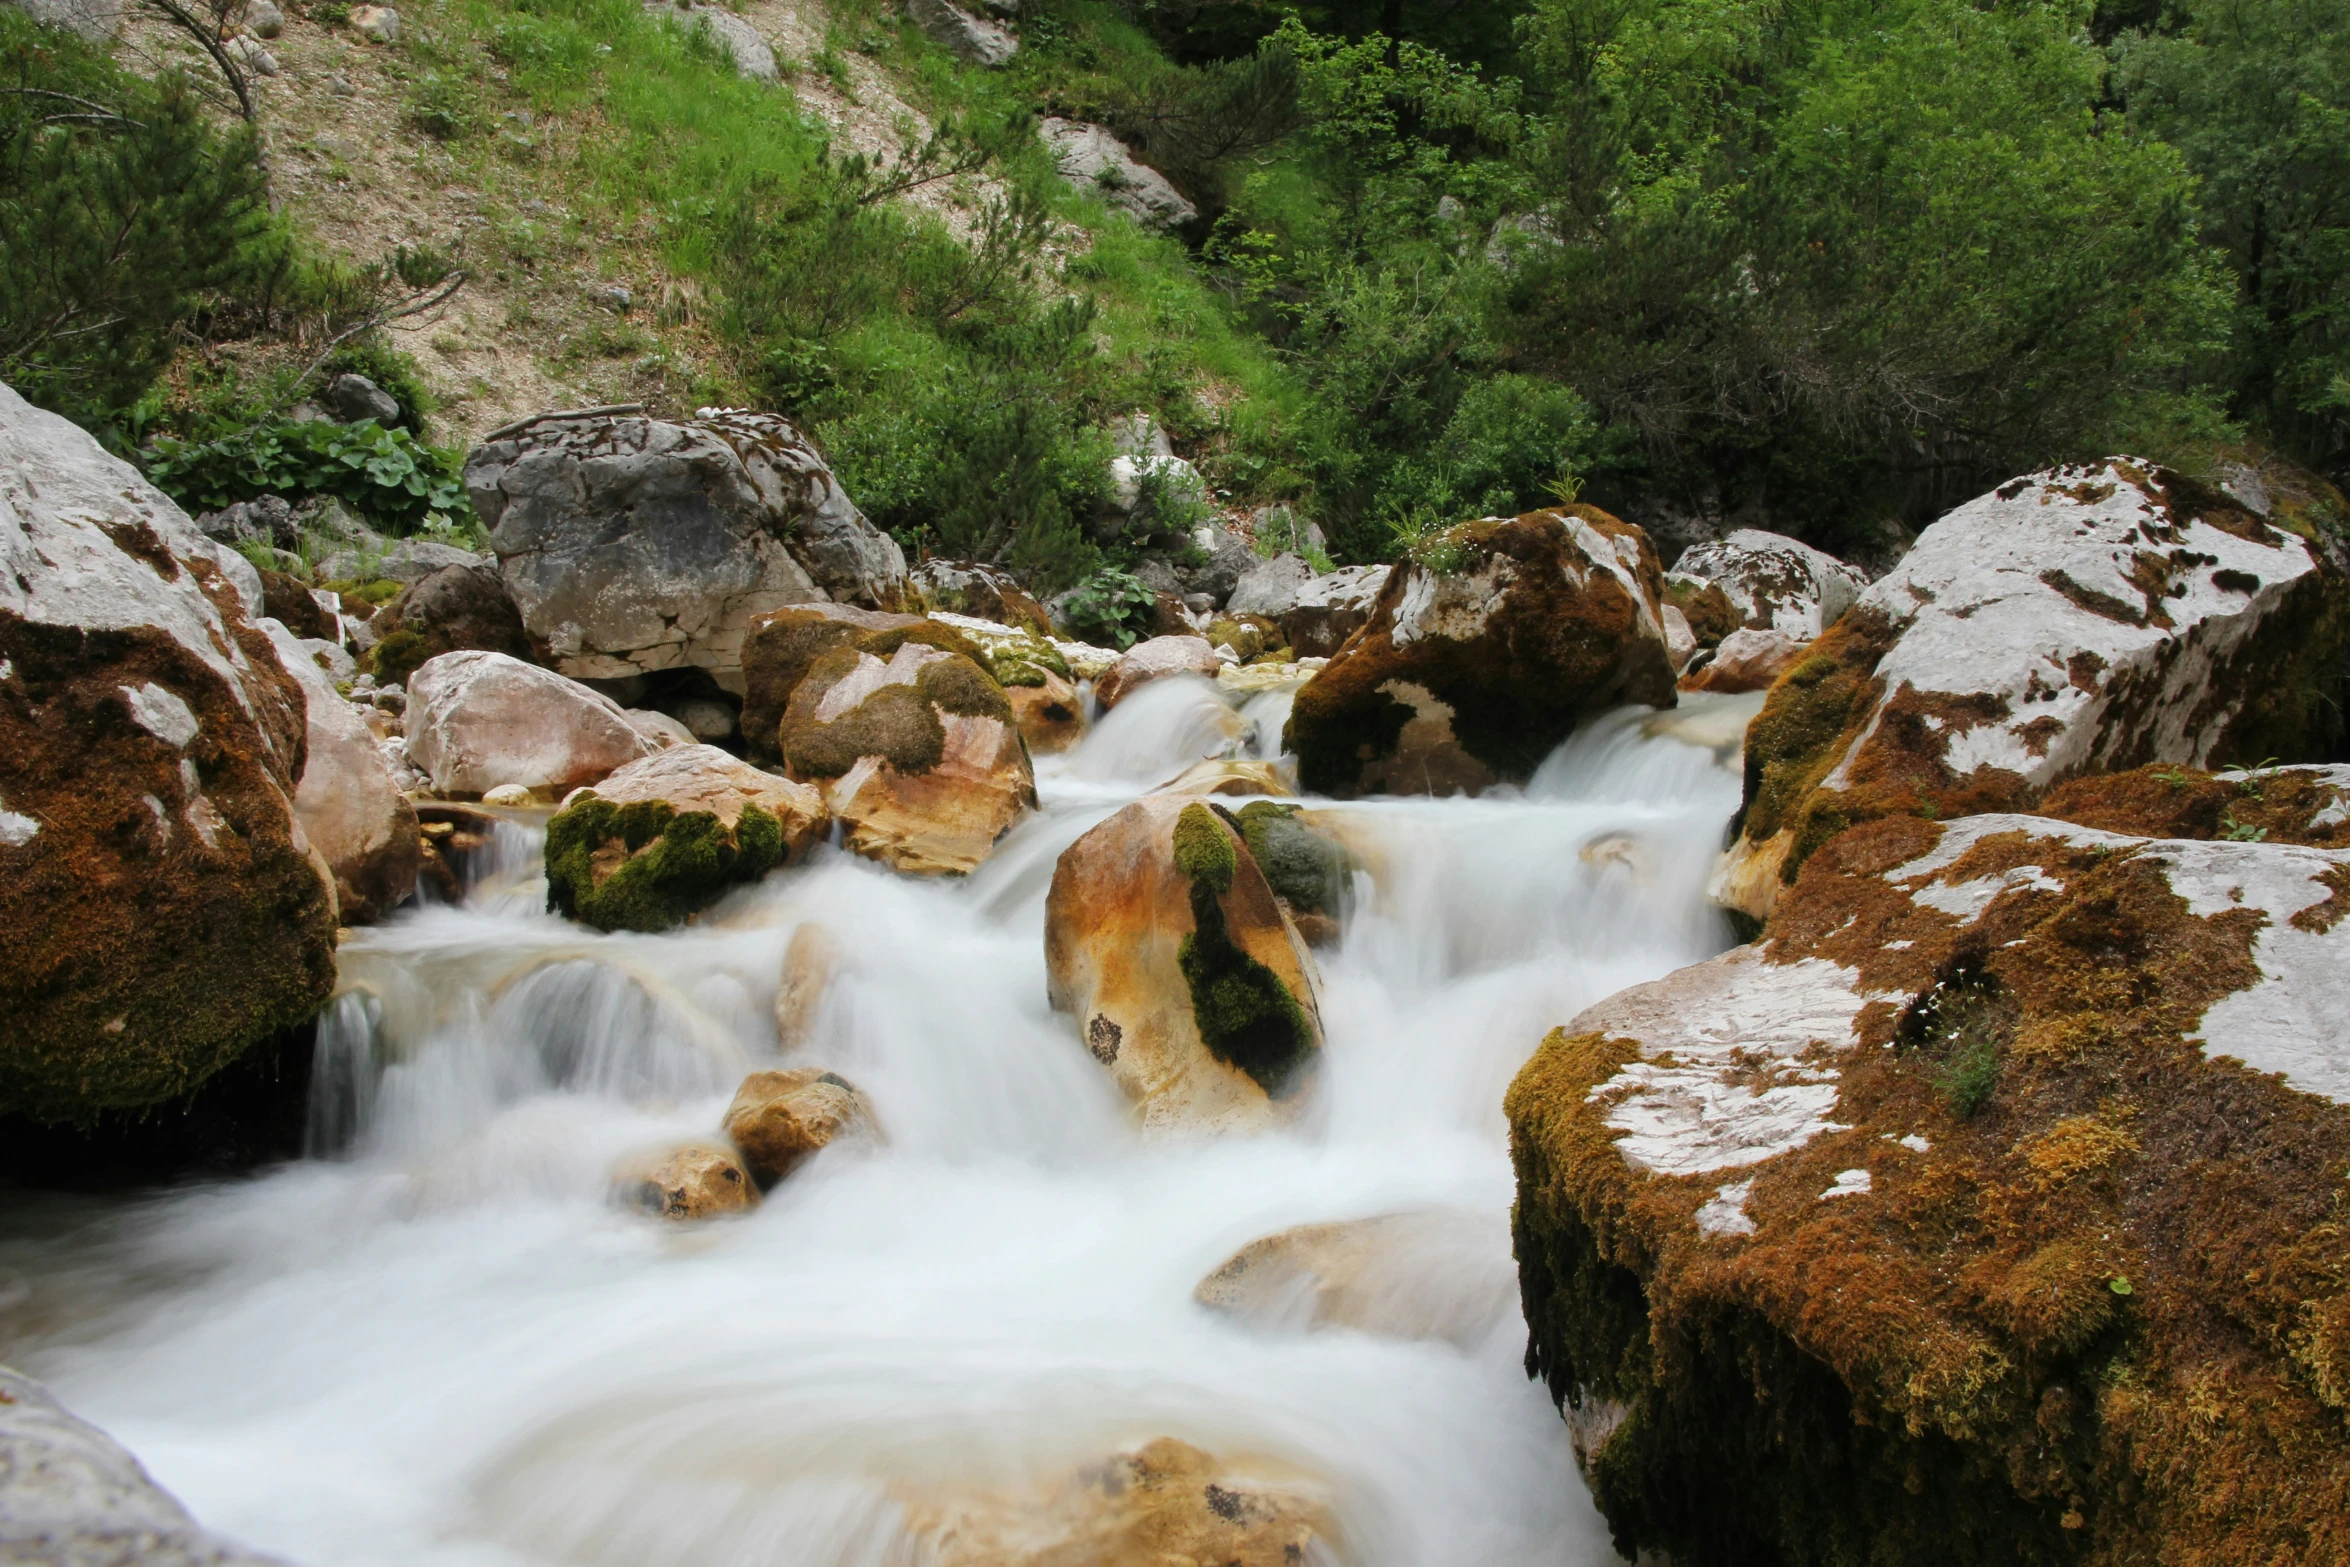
column 434, row 1341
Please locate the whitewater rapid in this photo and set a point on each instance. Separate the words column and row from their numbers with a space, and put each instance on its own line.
column 435, row 1342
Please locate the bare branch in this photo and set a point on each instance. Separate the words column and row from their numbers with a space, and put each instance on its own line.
column 416, row 304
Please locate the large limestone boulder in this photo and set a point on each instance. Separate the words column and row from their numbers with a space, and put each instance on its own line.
column 1270, row 587
column 2307, row 805
column 2079, row 620
column 1166, row 942
column 1430, row 1273
column 350, row 806
column 665, row 837
column 1483, row 653
column 780, row 1120
column 1773, row 582
column 1156, row 659
column 160, row 907
column 634, row 544
column 1165, row 1503
column 1924, row 1229
column 1328, row 609
column 778, row 651
column 917, row 751
column 744, row 44
column 477, row 721
column 71, row 1496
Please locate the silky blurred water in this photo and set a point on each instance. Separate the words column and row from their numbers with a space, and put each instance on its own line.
column 435, row 1342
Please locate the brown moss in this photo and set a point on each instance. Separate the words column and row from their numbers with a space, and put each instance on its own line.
column 780, row 648
column 289, row 603
column 2097, row 1322
column 898, row 723
column 1706, row 607
column 2276, row 805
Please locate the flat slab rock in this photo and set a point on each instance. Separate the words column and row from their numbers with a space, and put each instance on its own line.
column 71, row 1496
column 2001, row 1111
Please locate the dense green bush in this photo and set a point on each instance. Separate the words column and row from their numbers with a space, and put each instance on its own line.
column 386, row 476
column 123, row 211
column 1111, row 608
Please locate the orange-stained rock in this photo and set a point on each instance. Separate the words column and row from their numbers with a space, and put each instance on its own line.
column 916, row 748
column 1747, row 660
column 704, row 778
column 1051, row 714
column 691, row 1181
column 1155, row 660
column 808, row 963
column 780, row 1119
column 1122, row 955
column 1483, row 653
column 1164, row 1505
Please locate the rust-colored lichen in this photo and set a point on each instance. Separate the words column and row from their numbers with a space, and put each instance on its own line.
column 2272, row 805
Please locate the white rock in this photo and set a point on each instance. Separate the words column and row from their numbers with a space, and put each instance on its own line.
column 377, row 23
column 753, row 56
column 1155, row 660
column 478, row 720
column 1680, row 641
column 970, row 39
column 1092, row 159
column 71, row 1496
column 1174, row 476
column 1774, row 582
column 1270, row 588
column 506, row 795
column 659, row 728
column 350, row 804
column 704, row 778
column 1329, row 608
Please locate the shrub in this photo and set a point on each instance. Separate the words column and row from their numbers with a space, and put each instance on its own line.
column 1110, row 607
column 385, row 475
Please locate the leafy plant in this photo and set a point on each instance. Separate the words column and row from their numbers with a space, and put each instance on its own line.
column 1111, row 607
column 385, row 475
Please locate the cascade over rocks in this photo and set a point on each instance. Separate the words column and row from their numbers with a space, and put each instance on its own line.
column 1166, row 942
column 1772, row 582
column 917, row 750
column 71, row 1496
column 160, row 907
column 782, row 1119
column 780, row 647
column 1921, row 1230
column 665, row 837
column 2073, row 621
column 1431, row 1273
column 634, row 544
column 350, row 806
column 1472, row 670
column 1156, row 659
column 479, row 720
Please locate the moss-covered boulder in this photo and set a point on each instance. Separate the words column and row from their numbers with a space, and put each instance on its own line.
column 1483, row 653
column 2302, row 804
column 1165, row 941
column 160, row 909
column 1766, row 582
column 981, row 591
column 778, row 650
column 2080, row 620
column 664, row 838
column 452, row 610
column 1309, row 869
column 1988, row 1212
column 916, row 748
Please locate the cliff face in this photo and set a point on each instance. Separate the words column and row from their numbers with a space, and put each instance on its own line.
column 1991, row 1209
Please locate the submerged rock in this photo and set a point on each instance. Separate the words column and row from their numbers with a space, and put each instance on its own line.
column 1920, row 1227
column 1472, row 669
column 1165, row 941
column 350, row 806
column 1165, row 1503
column 1772, row 582
column 2073, row 621
column 809, row 961
column 71, row 1496
column 915, row 747
column 634, row 544
column 160, row 907
column 665, row 837
column 1433, row 1273
column 692, row 1181
column 478, row 720
column 782, row 1119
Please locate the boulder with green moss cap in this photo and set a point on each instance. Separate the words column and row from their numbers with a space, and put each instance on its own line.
column 2078, row 620
column 779, row 648
column 1989, row 1210
column 664, row 838
column 1165, row 941
column 1485, row 650
column 916, row 749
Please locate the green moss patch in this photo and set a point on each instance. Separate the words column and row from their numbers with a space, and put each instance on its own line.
column 898, row 723
column 1246, row 1016
column 1307, row 870
column 644, row 866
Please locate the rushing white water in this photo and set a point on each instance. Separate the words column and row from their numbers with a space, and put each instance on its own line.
column 435, row 1341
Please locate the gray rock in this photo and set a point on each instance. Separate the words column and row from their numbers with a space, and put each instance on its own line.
column 1090, row 158
column 249, row 52
column 263, row 19
column 1228, row 557
column 376, row 23
column 1332, row 607
column 394, row 560
column 267, row 520
column 71, row 1496
column 354, row 398
column 95, row 20
column 1157, row 575
column 634, row 544
column 341, row 86
column 970, row 39
column 1774, row 582
column 1139, row 435
column 1270, row 587
column 753, row 56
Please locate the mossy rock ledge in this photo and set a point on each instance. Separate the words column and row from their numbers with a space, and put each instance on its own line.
column 1187, row 977
column 915, row 747
column 2078, row 620
column 160, row 911
column 1990, row 1210
column 1483, row 653
column 664, row 838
